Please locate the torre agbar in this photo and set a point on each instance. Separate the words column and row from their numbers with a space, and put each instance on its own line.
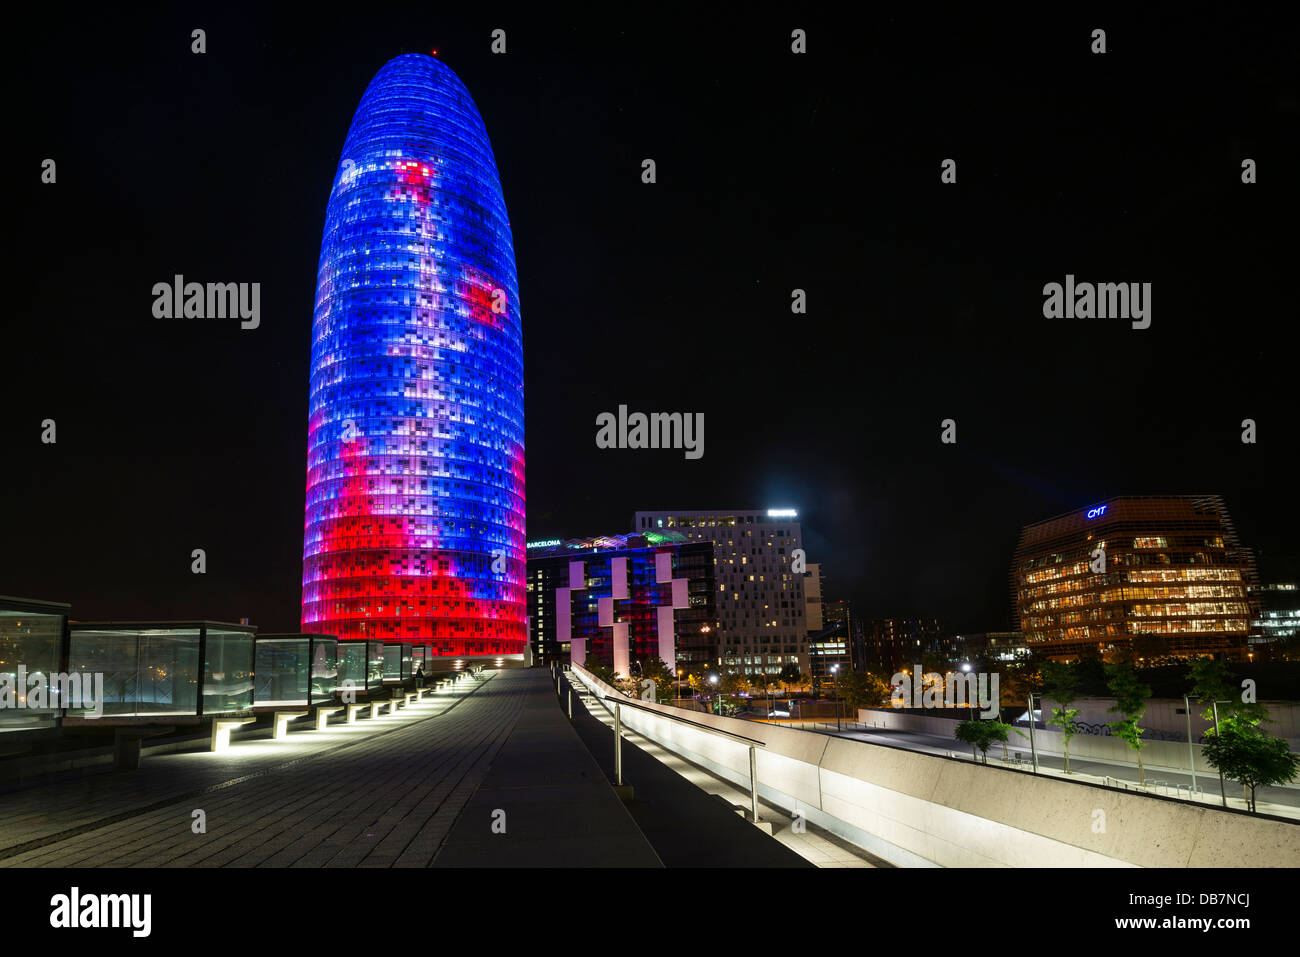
column 1175, row 581
column 414, row 527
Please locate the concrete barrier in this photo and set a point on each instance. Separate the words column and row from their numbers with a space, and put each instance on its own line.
column 922, row 810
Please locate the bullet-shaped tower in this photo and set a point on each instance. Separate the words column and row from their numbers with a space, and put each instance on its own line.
column 414, row 525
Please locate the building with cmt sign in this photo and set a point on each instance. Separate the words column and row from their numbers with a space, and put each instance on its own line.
column 1160, row 575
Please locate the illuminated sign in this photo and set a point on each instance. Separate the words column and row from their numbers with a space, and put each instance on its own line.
column 781, row 513
column 548, row 543
column 1094, row 512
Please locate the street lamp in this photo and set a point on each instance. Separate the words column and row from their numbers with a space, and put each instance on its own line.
column 713, row 680
column 835, row 670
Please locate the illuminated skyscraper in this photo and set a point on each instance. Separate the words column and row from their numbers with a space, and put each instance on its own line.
column 415, row 444
column 1164, row 573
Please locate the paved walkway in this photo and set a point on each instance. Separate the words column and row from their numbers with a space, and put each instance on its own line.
column 401, row 790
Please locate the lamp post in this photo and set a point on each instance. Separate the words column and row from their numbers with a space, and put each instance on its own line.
column 835, row 670
column 1214, row 705
column 713, row 680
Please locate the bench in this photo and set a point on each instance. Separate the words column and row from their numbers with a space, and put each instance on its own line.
column 280, row 723
column 323, row 717
column 352, row 712
column 127, row 744
column 221, row 728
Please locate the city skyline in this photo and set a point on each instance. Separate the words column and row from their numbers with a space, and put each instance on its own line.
column 924, row 299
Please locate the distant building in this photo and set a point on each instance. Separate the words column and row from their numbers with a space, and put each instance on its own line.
column 760, row 595
column 891, row 644
column 812, row 598
column 1175, row 577
column 992, row 645
column 620, row 599
column 1277, row 618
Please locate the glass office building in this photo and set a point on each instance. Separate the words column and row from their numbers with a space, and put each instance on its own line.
column 1174, row 583
column 414, row 528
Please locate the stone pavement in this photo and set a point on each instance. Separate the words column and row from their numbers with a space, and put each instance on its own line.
column 383, row 792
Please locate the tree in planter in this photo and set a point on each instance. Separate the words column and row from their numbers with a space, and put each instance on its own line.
column 1241, row 751
column 1130, row 701
column 982, row 734
column 1061, row 685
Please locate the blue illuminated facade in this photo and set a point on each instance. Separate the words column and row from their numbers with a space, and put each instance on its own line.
column 414, row 526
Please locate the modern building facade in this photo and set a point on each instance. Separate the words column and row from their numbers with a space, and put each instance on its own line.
column 414, row 529
column 1174, row 579
column 888, row 645
column 812, row 599
column 1275, row 631
column 760, row 592
column 622, row 599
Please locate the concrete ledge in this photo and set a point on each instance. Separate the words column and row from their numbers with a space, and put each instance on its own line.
column 323, row 717
column 280, row 723
column 221, row 728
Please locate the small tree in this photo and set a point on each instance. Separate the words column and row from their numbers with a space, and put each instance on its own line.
column 1241, row 751
column 981, row 734
column 657, row 670
column 791, row 675
column 1130, row 701
column 1061, row 685
column 605, row 674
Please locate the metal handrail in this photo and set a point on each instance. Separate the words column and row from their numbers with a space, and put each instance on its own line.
column 620, row 702
column 631, row 703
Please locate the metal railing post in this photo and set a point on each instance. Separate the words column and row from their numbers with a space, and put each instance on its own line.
column 570, row 702
column 753, row 785
column 1033, row 750
column 618, row 745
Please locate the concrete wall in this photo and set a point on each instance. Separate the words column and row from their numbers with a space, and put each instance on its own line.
column 921, row 810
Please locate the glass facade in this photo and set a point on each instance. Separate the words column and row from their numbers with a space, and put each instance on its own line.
column 147, row 670
column 634, row 558
column 294, row 669
column 362, row 663
column 31, row 644
column 414, row 526
column 1175, row 580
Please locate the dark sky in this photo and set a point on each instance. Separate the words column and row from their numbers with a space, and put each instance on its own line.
column 775, row 171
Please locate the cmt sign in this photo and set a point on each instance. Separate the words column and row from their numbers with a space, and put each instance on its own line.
column 1094, row 512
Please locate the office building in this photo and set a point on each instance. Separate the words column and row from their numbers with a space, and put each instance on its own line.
column 623, row 599
column 1166, row 572
column 759, row 566
column 414, row 527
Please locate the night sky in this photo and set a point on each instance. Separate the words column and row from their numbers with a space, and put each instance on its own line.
column 775, row 172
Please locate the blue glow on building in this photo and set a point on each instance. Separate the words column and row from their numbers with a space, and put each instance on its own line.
column 415, row 468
